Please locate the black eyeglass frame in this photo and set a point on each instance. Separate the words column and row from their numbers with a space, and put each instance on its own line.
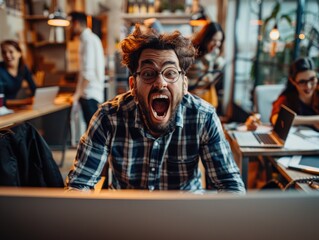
column 303, row 82
column 153, row 79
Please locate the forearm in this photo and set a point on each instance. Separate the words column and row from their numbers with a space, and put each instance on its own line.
column 19, row 102
column 81, row 86
column 306, row 120
column 222, row 172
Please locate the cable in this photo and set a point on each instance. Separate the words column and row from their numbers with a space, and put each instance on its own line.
column 308, row 180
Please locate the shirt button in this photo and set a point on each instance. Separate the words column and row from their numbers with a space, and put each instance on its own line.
column 153, row 169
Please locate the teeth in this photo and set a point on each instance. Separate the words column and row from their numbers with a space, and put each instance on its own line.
column 159, row 96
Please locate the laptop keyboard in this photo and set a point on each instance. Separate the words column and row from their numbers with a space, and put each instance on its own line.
column 265, row 138
column 246, row 138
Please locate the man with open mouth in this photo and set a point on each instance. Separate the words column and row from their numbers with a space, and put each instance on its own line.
column 154, row 136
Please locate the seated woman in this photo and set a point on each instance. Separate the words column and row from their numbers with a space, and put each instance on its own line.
column 301, row 95
column 206, row 71
column 13, row 72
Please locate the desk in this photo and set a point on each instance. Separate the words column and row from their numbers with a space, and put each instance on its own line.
column 291, row 174
column 243, row 154
column 26, row 114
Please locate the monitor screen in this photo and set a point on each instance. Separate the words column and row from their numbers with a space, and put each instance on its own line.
column 51, row 214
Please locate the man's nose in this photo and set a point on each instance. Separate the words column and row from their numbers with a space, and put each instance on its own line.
column 160, row 81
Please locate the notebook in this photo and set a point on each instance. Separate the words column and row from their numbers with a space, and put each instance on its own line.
column 274, row 138
column 45, row 96
column 305, row 163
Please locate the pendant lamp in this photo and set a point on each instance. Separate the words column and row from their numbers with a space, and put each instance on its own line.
column 58, row 19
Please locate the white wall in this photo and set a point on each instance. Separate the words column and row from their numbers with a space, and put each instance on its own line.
column 11, row 26
column 114, row 19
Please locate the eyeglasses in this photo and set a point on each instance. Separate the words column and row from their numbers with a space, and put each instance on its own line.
column 304, row 83
column 149, row 75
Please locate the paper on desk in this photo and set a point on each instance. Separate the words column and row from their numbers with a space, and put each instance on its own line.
column 284, row 161
column 295, row 142
column 309, row 133
column 4, row 111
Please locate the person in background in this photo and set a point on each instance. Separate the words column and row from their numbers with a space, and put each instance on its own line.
column 89, row 90
column 209, row 63
column 154, row 134
column 15, row 75
column 301, row 94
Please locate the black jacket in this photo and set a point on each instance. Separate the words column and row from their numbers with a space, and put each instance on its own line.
column 26, row 160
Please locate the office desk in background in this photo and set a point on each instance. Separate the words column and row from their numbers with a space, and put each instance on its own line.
column 292, row 175
column 243, row 155
column 59, row 126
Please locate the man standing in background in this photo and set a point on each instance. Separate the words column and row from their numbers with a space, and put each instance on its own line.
column 89, row 89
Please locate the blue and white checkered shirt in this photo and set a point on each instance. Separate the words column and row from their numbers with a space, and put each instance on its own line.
column 169, row 162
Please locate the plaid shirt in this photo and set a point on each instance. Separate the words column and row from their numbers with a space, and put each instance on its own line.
column 169, row 162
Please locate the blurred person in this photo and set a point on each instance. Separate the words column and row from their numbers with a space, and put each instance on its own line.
column 301, row 95
column 15, row 75
column 90, row 85
column 153, row 135
column 209, row 63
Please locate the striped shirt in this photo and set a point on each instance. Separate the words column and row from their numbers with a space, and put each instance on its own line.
column 169, row 162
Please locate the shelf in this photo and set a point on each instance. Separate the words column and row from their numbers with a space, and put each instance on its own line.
column 46, row 43
column 36, row 17
column 164, row 18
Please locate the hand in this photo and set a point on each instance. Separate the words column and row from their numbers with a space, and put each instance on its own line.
column 253, row 122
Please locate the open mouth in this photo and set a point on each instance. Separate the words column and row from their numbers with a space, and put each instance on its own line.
column 160, row 105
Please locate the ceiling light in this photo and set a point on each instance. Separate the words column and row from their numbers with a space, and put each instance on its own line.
column 58, row 19
column 198, row 19
column 274, row 33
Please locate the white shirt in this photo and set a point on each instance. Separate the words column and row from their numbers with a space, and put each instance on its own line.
column 92, row 65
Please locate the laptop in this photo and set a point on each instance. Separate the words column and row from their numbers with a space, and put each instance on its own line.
column 275, row 138
column 45, row 96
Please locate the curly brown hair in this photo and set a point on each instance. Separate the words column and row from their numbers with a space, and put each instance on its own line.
column 133, row 45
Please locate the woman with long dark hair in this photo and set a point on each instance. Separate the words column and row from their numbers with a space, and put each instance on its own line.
column 13, row 72
column 206, row 72
column 301, row 93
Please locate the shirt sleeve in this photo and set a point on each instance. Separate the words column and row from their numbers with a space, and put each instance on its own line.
column 221, row 171
column 89, row 64
column 28, row 77
column 91, row 155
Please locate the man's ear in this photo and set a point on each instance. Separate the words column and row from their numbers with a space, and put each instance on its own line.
column 185, row 85
column 132, row 84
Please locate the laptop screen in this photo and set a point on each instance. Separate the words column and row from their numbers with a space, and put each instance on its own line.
column 284, row 121
column 45, row 96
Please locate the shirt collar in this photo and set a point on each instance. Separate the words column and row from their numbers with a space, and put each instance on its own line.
column 85, row 33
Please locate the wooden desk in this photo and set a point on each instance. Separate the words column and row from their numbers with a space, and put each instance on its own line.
column 24, row 114
column 242, row 155
column 291, row 174
column 21, row 115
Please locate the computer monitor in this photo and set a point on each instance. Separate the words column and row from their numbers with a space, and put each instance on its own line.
column 53, row 214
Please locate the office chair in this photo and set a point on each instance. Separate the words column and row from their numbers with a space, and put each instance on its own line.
column 264, row 96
